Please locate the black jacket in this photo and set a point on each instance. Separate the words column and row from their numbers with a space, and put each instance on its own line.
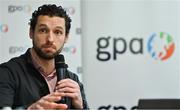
column 21, row 84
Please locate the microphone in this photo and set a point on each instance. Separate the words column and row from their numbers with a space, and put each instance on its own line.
column 61, row 68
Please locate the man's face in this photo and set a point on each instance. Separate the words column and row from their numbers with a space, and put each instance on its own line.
column 49, row 36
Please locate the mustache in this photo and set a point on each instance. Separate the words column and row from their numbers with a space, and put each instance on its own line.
column 49, row 46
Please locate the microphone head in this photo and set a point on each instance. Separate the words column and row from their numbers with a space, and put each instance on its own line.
column 60, row 61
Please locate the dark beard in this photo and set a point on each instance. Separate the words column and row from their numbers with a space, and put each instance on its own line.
column 43, row 55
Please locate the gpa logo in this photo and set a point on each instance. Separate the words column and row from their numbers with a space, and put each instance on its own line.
column 160, row 46
column 111, row 48
column 17, row 49
column 20, row 8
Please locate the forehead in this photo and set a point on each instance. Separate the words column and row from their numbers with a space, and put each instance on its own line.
column 51, row 21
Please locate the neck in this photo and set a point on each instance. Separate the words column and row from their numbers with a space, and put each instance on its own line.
column 47, row 64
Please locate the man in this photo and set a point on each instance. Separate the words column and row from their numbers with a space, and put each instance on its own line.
column 30, row 81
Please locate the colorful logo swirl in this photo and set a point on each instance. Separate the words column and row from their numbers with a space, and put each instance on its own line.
column 161, row 46
column 4, row 28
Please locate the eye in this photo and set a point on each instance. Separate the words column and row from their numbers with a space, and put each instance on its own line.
column 43, row 30
column 58, row 32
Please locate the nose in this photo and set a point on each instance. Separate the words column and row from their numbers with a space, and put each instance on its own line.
column 50, row 37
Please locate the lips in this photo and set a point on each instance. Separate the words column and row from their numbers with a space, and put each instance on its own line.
column 49, row 46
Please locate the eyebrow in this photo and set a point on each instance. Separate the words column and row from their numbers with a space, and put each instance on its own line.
column 60, row 27
column 42, row 25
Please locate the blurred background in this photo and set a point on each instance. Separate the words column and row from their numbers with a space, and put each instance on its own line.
column 122, row 50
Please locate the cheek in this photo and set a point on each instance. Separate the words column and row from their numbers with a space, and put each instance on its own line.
column 41, row 39
column 59, row 42
column 38, row 41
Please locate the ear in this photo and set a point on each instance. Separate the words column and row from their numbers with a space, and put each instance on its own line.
column 66, row 38
column 31, row 34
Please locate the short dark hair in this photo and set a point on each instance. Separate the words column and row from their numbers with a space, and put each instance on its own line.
column 50, row 10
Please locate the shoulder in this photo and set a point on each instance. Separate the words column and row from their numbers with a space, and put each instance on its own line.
column 12, row 63
column 16, row 61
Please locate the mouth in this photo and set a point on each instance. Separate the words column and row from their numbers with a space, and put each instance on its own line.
column 48, row 48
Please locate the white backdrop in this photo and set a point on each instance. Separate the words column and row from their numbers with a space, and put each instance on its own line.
column 14, row 34
column 127, row 26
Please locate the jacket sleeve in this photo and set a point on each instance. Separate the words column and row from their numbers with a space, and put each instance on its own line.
column 7, row 87
column 85, row 104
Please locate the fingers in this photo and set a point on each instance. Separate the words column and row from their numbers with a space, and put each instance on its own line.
column 71, row 89
column 52, row 105
column 67, row 83
column 56, row 96
column 48, row 102
column 35, row 106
